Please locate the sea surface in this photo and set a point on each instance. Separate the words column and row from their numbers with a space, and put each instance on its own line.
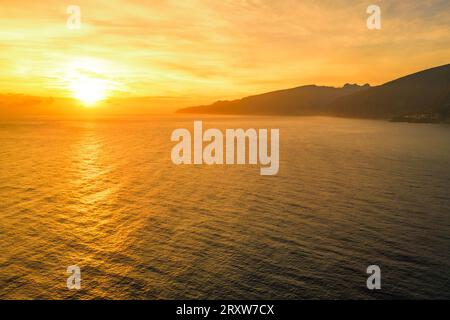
column 105, row 196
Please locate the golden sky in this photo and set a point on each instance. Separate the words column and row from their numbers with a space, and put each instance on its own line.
column 214, row 49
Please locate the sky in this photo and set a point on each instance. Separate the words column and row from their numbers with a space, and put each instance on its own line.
column 204, row 50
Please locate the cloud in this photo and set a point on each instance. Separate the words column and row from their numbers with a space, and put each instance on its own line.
column 229, row 47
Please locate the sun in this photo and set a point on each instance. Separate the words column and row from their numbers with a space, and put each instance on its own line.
column 89, row 90
column 87, row 80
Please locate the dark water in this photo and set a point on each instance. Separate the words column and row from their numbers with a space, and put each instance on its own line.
column 104, row 195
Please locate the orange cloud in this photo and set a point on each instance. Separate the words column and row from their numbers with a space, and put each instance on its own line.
column 218, row 49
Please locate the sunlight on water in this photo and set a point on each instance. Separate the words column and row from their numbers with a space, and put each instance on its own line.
column 104, row 195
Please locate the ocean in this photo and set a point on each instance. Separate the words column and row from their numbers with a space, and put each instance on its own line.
column 104, row 195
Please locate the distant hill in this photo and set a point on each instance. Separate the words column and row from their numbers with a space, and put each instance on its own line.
column 306, row 100
column 423, row 93
column 419, row 97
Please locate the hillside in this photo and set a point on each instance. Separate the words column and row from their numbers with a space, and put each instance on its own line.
column 419, row 97
column 422, row 93
column 305, row 100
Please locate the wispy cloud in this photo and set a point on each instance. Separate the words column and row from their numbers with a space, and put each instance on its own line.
column 227, row 48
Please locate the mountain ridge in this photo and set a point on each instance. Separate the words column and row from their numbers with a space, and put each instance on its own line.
column 423, row 96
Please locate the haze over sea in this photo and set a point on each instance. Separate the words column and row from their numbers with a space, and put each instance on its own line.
column 104, row 195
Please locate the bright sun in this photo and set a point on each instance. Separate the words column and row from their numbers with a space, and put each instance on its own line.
column 89, row 90
column 87, row 81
